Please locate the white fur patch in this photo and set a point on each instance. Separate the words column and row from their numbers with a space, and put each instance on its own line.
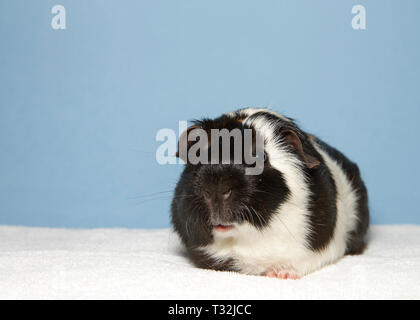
column 250, row 111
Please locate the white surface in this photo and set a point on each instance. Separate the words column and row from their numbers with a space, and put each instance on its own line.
column 148, row 264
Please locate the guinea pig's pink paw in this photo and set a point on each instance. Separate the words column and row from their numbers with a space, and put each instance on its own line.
column 282, row 274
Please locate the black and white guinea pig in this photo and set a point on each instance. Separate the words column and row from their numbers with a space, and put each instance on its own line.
column 307, row 209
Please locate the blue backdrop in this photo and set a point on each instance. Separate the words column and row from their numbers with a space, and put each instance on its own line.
column 80, row 107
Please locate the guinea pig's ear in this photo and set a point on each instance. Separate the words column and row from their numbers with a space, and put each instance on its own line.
column 184, row 144
column 293, row 140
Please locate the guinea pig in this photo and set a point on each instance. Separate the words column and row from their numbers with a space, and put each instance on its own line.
column 306, row 209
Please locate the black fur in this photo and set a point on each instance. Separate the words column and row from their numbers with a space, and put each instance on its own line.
column 356, row 244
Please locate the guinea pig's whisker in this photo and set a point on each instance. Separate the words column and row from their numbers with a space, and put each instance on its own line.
column 187, row 230
column 153, row 199
column 266, row 192
column 164, row 198
column 291, row 234
column 259, row 216
column 244, row 215
column 282, row 222
column 150, row 194
column 184, row 196
column 196, row 207
column 249, row 214
column 243, row 218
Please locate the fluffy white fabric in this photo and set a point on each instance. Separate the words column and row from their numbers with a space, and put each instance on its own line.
column 44, row 263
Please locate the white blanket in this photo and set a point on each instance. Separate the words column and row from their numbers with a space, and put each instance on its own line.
column 44, row 263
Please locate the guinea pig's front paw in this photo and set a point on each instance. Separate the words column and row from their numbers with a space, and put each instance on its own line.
column 282, row 274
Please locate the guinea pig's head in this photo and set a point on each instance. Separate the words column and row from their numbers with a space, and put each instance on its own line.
column 215, row 197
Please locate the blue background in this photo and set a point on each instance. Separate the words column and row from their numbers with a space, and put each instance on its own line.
column 80, row 108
